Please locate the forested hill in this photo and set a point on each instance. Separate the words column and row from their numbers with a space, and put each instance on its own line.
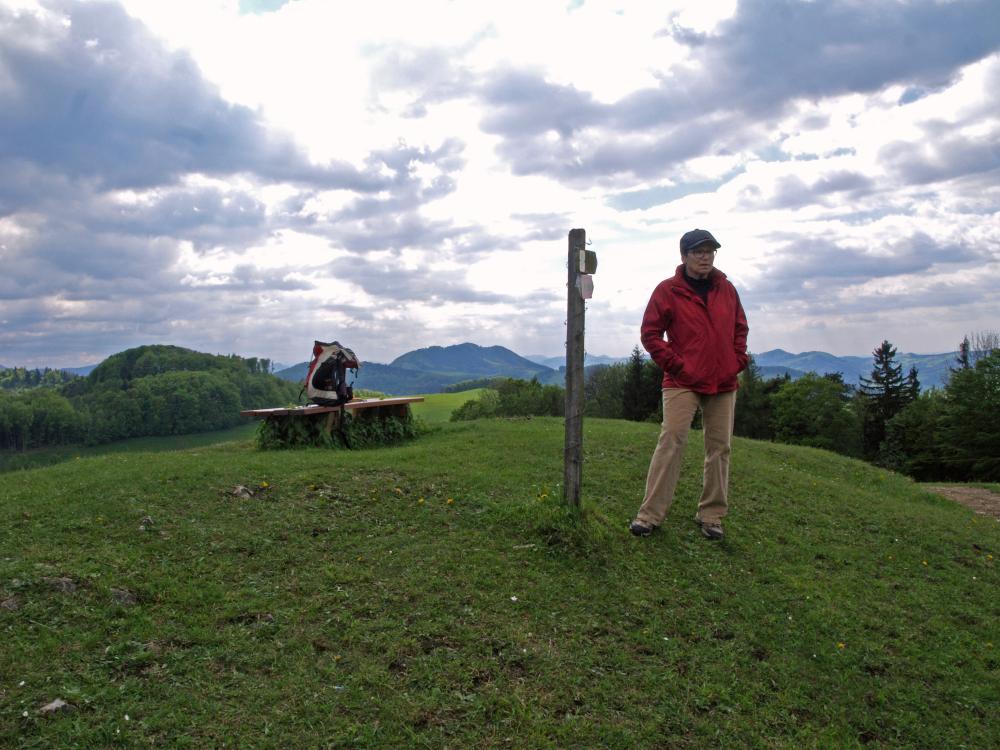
column 149, row 390
column 472, row 359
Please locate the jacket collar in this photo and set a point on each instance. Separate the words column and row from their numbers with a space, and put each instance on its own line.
column 677, row 280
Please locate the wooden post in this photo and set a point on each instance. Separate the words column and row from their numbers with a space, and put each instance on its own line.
column 573, row 454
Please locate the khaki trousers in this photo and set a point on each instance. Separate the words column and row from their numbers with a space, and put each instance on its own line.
column 679, row 405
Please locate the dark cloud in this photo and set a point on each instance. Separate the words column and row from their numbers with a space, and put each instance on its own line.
column 772, row 51
column 397, row 286
column 101, row 100
column 755, row 67
column 793, row 192
column 815, row 271
column 435, row 73
column 941, row 156
column 521, row 103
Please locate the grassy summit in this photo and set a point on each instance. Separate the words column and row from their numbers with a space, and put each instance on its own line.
column 434, row 595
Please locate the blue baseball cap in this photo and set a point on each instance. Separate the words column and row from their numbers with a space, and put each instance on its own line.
column 697, row 237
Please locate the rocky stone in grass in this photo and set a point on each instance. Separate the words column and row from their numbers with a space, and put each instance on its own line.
column 145, row 523
column 124, row 597
column 58, row 706
column 241, row 491
column 63, row 584
column 11, row 604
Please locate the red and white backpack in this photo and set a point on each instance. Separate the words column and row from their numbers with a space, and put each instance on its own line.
column 326, row 382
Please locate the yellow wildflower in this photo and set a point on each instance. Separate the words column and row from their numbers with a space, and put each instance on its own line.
column 841, row 645
column 451, row 501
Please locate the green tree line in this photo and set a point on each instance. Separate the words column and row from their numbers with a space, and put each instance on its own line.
column 951, row 433
column 149, row 390
column 16, row 378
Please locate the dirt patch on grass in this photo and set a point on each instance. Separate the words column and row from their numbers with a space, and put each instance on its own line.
column 980, row 500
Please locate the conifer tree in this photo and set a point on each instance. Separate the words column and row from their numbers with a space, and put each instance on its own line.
column 912, row 385
column 883, row 396
column 963, row 360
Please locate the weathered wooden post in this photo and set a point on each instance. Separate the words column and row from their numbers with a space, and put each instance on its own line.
column 581, row 263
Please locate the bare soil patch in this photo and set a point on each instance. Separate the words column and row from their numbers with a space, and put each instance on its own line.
column 981, row 500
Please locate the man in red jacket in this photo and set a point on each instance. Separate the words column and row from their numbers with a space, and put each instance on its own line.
column 706, row 347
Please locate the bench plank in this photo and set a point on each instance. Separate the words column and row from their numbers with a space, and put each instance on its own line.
column 351, row 406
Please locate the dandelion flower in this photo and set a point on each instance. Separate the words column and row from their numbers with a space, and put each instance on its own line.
column 989, row 557
column 924, row 562
column 841, row 645
column 420, row 501
column 264, row 484
column 451, row 501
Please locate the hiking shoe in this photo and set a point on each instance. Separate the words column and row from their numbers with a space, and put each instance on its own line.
column 711, row 530
column 638, row 528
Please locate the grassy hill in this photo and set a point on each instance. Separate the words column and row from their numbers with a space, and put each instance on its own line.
column 434, row 595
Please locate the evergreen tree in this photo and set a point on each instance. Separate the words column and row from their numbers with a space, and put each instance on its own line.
column 753, row 407
column 633, row 403
column 970, row 425
column 882, row 396
column 963, row 360
column 912, row 385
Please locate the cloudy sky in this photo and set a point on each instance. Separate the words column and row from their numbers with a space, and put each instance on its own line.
column 247, row 176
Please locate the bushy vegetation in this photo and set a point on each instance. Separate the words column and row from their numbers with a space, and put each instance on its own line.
column 146, row 391
column 953, row 434
column 358, row 431
column 510, row 397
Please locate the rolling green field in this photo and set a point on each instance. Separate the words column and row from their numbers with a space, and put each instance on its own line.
column 437, row 595
column 11, row 461
column 437, row 407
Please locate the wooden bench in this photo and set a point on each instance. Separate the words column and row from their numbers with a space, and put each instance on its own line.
column 371, row 408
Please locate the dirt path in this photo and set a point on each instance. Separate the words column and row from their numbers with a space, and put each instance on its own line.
column 982, row 501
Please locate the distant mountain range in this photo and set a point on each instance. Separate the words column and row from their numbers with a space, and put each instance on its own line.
column 932, row 369
column 588, row 360
column 434, row 368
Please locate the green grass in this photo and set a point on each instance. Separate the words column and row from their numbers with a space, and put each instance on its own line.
column 436, row 408
column 11, row 461
column 846, row 607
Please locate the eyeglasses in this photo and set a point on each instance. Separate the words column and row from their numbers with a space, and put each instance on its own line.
column 703, row 252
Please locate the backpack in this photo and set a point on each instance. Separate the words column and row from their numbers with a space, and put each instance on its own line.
column 326, row 382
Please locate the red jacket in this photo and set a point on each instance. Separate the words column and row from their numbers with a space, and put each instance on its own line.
column 706, row 346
